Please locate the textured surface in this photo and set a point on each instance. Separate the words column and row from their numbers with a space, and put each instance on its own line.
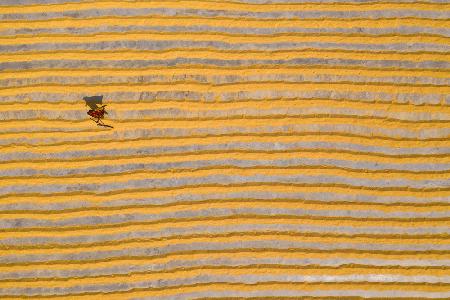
column 260, row 150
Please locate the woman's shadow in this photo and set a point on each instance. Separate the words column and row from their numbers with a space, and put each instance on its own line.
column 94, row 101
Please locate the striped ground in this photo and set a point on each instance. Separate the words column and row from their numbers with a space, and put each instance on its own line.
column 261, row 149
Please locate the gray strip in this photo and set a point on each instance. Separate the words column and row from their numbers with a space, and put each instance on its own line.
column 52, row 128
column 91, row 220
column 104, row 169
column 210, row 96
column 118, row 134
column 205, row 246
column 77, row 202
column 208, row 278
column 223, row 261
column 173, row 113
column 255, row 146
column 210, row 292
column 210, row 228
column 288, row 14
column 277, row 76
column 188, row 44
column 231, row 30
column 42, row 2
column 320, row 1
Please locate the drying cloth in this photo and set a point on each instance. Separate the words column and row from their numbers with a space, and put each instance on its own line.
column 224, row 149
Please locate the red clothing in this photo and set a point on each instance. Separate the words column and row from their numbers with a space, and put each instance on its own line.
column 96, row 113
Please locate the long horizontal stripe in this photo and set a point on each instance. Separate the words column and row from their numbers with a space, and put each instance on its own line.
column 208, row 279
column 220, row 259
column 223, row 89
column 254, row 184
column 184, row 129
column 279, row 14
column 208, row 226
column 276, row 267
column 340, row 2
column 246, row 275
column 375, row 224
column 170, row 53
column 218, row 242
column 224, row 177
column 217, row 195
column 317, row 145
column 218, row 74
column 196, row 109
column 16, row 3
column 68, row 125
column 229, row 5
column 191, row 96
column 208, row 69
column 158, row 222
column 243, row 194
column 189, row 265
column 234, row 164
column 203, row 43
column 217, row 208
column 234, row 39
column 304, row 291
column 194, row 226
column 121, row 242
column 218, row 79
column 124, row 110
column 277, row 290
column 314, row 255
column 319, row 259
column 72, row 80
column 230, row 23
column 236, row 144
column 219, row 87
column 280, row 290
column 27, row 116
column 297, row 163
column 86, row 128
column 208, row 31
column 30, row 191
column 438, row 88
column 64, row 31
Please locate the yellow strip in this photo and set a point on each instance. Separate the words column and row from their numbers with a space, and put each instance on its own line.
column 142, row 175
column 98, row 200
column 167, row 209
column 210, row 73
column 230, row 238
column 224, row 254
column 224, row 38
column 256, row 127
column 264, row 287
column 222, row 22
column 212, row 5
column 199, row 107
column 217, row 271
column 224, row 88
column 216, row 54
column 197, row 158
column 195, row 106
column 276, row 220
column 283, row 138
